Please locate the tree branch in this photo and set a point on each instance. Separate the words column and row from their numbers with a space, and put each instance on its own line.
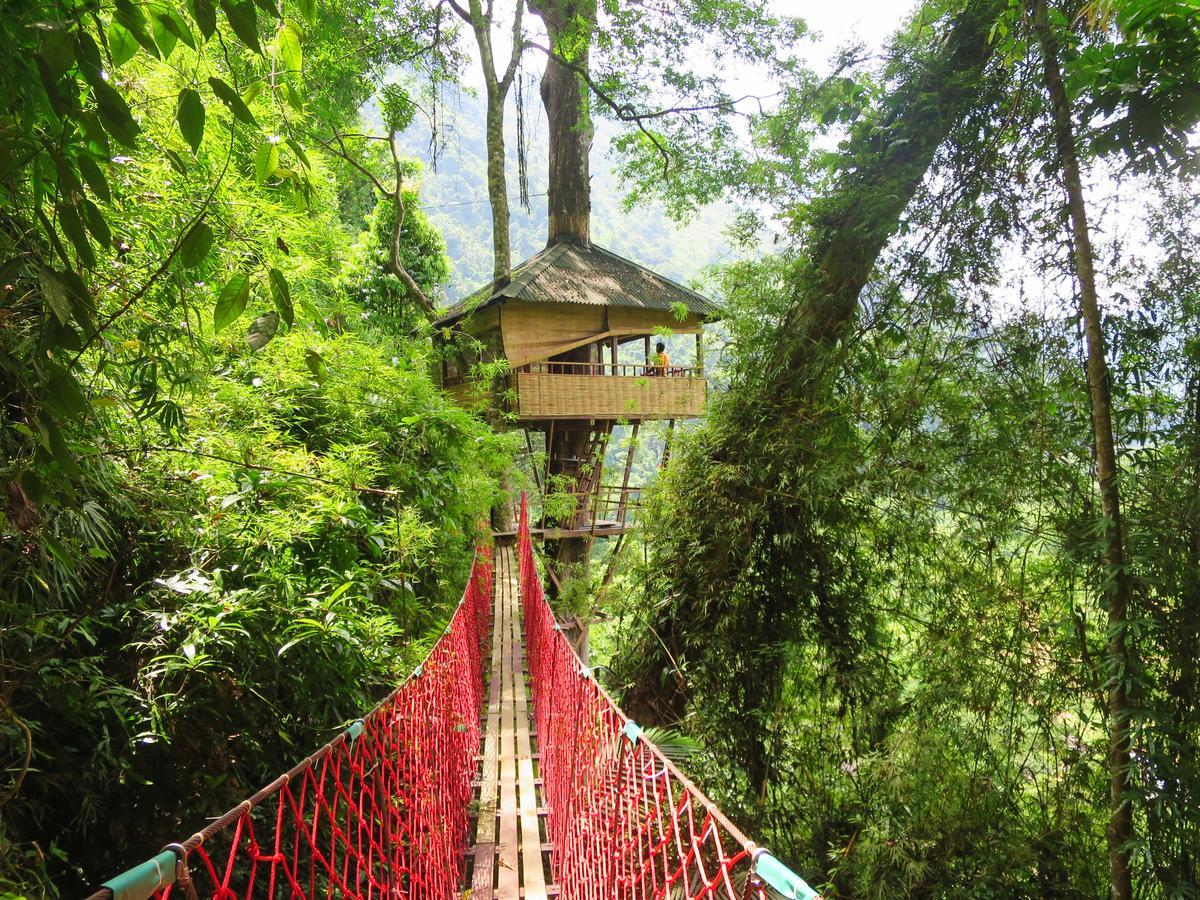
column 397, row 266
column 166, row 263
column 187, row 451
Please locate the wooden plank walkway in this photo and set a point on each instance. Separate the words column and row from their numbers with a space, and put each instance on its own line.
column 508, row 858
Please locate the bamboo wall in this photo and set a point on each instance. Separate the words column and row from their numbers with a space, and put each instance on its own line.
column 546, row 396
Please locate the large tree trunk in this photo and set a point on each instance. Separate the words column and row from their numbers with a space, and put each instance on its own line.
column 1120, row 826
column 735, row 491
column 498, row 188
column 569, row 455
column 569, row 24
column 497, row 87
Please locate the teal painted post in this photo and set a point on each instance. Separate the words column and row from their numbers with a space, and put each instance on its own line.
column 142, row 881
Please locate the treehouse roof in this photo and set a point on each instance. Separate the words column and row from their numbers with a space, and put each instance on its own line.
column 593, row 276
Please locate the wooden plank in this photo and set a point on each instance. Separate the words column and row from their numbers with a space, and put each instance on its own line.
column 628, row 469
column 508, row 850
column 484, row 875
column 533, row 876
column 508, row 875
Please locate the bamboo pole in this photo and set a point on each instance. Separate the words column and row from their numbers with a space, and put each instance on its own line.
column 628, row 469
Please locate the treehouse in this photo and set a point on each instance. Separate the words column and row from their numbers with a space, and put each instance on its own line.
column 574, row 335
column 577, row 327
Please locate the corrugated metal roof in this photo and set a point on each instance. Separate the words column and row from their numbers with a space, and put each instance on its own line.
column 566, row 273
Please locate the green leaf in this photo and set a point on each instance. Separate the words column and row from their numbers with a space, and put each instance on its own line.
column 243, row 18
column 57, row 50
column 299, row 151
column 205, row 15
column 94, row 178
column 56, row 294
column 287, row 44
column 281, row 294
column 266, row 160
column 72, row 226
column 97, row 137
column 230, row 98
column 293, row 97
column 308, row 9
column 232, row 300
column 195, row 245
column 176, row 161
column 52, row 440
column 88, row 54
column 250, row 93
column 164, row 37
column 316, row 365
column 175, row 23
column 68, row 180
column 114, row 113
column 94, row 219
column 58, row 98
column 65, row 392
column 191, row 118
column 121, row 43
column 262, row 329
column 68, row 297
column 131, row 17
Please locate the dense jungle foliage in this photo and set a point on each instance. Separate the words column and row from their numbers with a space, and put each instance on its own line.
column 875, row 583
column 880, row 590
column 237, row 509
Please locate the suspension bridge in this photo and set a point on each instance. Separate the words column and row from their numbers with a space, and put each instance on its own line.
column 510, row 776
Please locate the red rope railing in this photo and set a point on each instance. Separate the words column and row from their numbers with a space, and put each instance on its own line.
column 381, row 811
column 624, row 822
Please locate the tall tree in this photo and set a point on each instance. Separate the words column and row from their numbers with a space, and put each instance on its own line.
column 1116, row 577
column 398, row 110
column 570, row 24
column 745, row 549
column 481, row 18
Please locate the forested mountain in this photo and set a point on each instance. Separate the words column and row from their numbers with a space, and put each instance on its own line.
column 454, row 196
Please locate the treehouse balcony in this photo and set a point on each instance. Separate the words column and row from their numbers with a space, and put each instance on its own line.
column 583, row 390
column 587, row 390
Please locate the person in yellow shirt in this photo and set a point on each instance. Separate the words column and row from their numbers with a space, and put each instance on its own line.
column 661, row 360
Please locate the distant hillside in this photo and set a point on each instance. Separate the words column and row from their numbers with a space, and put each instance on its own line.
column 455, row 197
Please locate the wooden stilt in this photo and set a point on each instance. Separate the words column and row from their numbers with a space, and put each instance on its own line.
column 625, row 478
column 532, row 462
column 667, row 445
column 612, row 561
column 599, row 475
column 549, row 445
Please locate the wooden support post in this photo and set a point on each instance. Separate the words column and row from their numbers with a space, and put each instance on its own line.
column 554, row 578
column 667, row 444
column 603, row 449
column 612, row 561
column 615, row 345
column 699, row 354
column 537, row 480
column 628, row 468
column 647, row 370
column 549, row 455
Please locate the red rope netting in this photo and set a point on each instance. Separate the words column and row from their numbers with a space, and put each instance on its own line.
column 623, row 821
column 379, row 812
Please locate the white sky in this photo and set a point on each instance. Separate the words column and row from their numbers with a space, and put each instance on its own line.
column 838, row 21
column 841, row 21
